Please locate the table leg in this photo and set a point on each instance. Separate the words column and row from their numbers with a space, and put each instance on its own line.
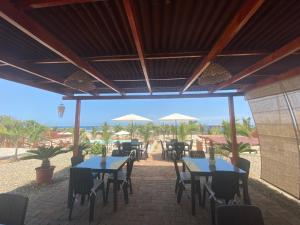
column 245, row 191
column 115, row 187
column 193, row 194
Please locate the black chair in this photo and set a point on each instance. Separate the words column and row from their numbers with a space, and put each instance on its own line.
column 126, row 147
column 82, row 184
column 243, row 164
column 119, row 153
column 163, row 150
column 197, row 154
column 123, row 177
column 12, row 209
column 179, row 149
column 144, row 151
column 223, row 188
column 183, row 178
column 75, row 160
column 239, row 215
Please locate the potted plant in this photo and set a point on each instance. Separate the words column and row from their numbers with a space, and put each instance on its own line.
column 44, row 173
column 83, row 149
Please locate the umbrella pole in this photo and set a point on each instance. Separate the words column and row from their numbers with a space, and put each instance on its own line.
column 131, row 130
column 176, row 128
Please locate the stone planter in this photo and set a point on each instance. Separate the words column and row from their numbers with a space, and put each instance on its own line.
column 44, row 174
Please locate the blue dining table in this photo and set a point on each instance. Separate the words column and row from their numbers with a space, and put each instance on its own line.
column 203, row 167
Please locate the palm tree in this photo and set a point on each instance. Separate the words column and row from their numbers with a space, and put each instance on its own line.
column 193, row 127
column 106, row 134
column 44, row 153
column 94, row 133
column 182, row 131
column 34, row 131
column 145, row 131
column 226, row 149
column 117, row 128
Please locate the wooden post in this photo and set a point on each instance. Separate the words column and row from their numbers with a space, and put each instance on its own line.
column 77, row 129
column 235, row 153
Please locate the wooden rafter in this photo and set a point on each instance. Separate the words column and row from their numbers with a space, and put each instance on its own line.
column 277, row 55
column 35, row 4
column 12, row 77
column 33, row 29
column 243, row 15
column 282, row 76
column 28, row 69
column 129, row 8
column 155, row 56
column 204, row 95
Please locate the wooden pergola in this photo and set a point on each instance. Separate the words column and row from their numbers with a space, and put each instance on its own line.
column 134, row 49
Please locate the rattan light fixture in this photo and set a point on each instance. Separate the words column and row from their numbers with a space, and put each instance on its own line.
column 214, row 74
column 80, row 80
column 60, row 110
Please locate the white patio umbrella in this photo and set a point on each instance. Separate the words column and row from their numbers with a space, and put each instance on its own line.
column 131, row 118
column 178, row 117
column 122, row 132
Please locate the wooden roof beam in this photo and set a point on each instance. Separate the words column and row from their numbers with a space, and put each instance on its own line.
column 33, row 29
column 277, row 55
column 36, row 4
column 129, row 9
column 282, row 76
column 243, row 15
column 162, row 96
column 28, row 69
column 12, row 77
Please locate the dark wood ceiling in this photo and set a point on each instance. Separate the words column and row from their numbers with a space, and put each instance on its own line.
column 138, row 46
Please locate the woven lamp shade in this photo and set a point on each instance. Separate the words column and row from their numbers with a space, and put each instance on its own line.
column 214, row 74
column 81, row 81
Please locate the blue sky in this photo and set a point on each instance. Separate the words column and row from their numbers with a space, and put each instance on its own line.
column 24, row 102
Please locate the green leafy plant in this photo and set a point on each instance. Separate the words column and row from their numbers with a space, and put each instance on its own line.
column 145, row 131
column 226, row 149
column 83, row 148
column 182, row 132
column 96, row 149
column 106, row 134
column 44, row 153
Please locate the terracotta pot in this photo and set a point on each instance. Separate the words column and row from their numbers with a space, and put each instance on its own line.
column 44, row 175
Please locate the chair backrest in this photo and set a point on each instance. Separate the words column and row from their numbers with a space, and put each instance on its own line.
column 243, row 164
column 225, row 184
column 162, row 145
column 119, row 153
column 130, row 163
column 12, row 209
column 81, row 180
column 191, row 145
column 75, row 160
column 239, row 215
column 197, row 154
column 173, row 141
column 176, row 168
column 179, row 149
column 126, row 146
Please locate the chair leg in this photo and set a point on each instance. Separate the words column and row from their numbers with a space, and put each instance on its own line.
column 92, row 207
column 107, row 190
column 199, row 193
column 212, row 211
column 125, row 190
column 204, row 197
column 179, row 193
column 130, row 185
column 82, row 199
column 104, row 195
column 71, row 207
column 176, row 185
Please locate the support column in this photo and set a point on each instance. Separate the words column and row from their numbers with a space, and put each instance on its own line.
column 77, row 129
column 234, row 149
